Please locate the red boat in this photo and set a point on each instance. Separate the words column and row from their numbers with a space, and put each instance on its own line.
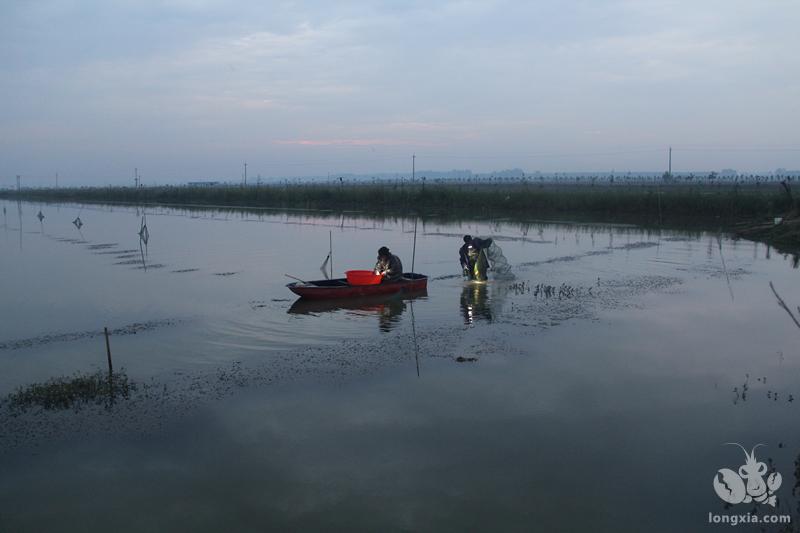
column 327, row 289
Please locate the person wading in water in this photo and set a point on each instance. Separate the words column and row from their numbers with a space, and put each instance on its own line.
column 473, row 257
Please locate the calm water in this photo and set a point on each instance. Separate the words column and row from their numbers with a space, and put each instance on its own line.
column 607, row 376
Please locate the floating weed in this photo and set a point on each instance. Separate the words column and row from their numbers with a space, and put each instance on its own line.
column 130, row 329
column 741, row 393
column 184, row 270
column 635, row 246
column 112, row 252
column 448, row 276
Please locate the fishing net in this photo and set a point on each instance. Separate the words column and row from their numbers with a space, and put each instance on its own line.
column 498, row 261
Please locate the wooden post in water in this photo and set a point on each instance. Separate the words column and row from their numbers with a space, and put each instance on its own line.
column 110, row 368
column 414, row 249
column 108, row 352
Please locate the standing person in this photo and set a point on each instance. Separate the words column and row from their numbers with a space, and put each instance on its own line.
column 473, row 257
column 388, row 265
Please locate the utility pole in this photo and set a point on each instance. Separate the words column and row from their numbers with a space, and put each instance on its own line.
column 670, row 162
column 245, row 174
column 413, row 167
column 136, row 177
column 17, row 183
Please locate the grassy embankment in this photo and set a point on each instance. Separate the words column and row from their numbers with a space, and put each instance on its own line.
column 701, row 205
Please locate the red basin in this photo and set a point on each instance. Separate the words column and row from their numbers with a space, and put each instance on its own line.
column 362, row 277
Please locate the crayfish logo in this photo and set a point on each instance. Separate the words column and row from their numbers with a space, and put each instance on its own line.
column 749, row 484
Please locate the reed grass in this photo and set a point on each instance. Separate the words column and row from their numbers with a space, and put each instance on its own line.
column 653, row 202
column 70, row 392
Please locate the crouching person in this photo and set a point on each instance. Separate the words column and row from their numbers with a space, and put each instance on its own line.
column 388, row 265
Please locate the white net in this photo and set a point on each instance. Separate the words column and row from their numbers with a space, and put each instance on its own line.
column 498, row 262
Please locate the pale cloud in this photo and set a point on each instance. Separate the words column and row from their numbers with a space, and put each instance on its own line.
column 661, row 56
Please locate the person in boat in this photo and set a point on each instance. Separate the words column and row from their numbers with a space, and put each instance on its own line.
column 473, row 257
column 388, row 265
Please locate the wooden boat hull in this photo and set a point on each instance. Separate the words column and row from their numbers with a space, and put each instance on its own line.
column 377, row 303
column 339, row 288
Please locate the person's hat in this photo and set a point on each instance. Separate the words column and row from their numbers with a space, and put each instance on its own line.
column 467, row 238
column 383, row 251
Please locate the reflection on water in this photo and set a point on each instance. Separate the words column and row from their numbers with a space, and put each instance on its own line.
column 19, row 216
column 388, row 308
column 475, row 302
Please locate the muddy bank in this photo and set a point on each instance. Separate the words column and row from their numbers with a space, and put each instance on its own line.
column 781, row 232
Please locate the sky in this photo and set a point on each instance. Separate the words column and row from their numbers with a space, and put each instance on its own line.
column 192, row 89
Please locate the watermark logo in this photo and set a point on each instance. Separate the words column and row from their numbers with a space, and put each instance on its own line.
column 750, row 483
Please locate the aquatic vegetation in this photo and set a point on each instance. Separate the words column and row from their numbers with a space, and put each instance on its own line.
column 741, row 393
column 71, row 392
column 545, row 291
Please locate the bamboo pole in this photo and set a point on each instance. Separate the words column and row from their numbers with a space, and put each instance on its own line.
column 783, row 305
column 414, row 249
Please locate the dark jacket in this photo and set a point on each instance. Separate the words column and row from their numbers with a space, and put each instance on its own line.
column 390, row 267
column 476, row 245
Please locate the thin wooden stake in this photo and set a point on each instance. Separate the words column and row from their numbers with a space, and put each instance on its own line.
column 108, row 352
column 110, row 368
column 414, row 250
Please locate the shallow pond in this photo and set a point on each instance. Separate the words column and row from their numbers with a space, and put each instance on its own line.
column 594, row 391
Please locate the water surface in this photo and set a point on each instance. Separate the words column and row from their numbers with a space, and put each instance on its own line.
column 593, row 391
